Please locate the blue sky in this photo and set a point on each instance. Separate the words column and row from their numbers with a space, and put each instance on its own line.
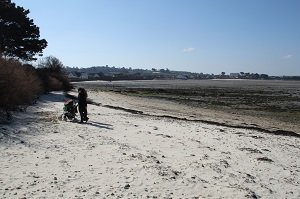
column 208, row 36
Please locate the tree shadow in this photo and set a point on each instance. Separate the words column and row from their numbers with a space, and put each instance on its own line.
column 15, row 132
column 53, row 97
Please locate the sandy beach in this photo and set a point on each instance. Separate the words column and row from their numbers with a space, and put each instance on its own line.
column 121, row 154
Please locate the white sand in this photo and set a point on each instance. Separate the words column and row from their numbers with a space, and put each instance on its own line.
column 123, row 155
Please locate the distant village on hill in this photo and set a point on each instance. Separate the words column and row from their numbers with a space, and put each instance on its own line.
column 113, row 74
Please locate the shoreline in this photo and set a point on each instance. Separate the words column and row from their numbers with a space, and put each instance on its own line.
column 271, row 105
column 167, row 108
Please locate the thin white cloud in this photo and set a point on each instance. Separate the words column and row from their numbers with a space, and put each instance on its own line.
column 188, row 50
column 289, row 56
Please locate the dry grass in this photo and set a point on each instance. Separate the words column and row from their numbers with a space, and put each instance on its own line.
column 19, row 84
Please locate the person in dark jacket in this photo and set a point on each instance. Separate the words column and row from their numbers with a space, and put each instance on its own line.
column 82, row 104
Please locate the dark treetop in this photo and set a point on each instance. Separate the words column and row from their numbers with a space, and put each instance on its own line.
column 19, row 36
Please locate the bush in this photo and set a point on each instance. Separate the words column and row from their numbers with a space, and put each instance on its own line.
column 64, row 80
column 51, row 74
column 19, row 84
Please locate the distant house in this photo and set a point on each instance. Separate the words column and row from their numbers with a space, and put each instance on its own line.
column 93, row 75
column 234, row 75
column 96, row 75
column 181, row 77
column 111, row 74
column 72, row 75
column 84, row 76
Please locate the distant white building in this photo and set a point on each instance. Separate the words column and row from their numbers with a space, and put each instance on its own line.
column 72, row 75
column 181, row 77
column 84, row 76
column 234, row 75
column 94, row 75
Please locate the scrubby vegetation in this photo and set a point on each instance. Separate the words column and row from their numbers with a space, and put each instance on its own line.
column 21, row 84
column 51, row 72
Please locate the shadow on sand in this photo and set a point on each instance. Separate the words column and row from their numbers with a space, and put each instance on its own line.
column 99, row 125
column 53, row 97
